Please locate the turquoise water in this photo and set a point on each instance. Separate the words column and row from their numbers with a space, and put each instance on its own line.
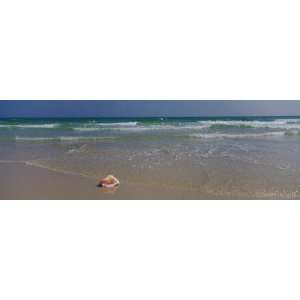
column 237, row 157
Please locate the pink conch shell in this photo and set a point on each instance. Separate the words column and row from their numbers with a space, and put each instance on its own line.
column 109, row 181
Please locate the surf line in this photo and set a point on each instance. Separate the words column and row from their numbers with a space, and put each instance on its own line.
column 34, row 164
column 11, row 161
column 37, row 165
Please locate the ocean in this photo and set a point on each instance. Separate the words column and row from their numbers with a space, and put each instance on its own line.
column 215, row 157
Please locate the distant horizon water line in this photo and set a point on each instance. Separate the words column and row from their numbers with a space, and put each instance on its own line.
column 150, row 117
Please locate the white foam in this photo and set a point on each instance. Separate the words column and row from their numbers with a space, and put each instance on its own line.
column 117, row 124
column 275, row 124
column 234, row 136
column 62, row 138
column 283, row 124
column 29, row 125
column 288, row 120
column 86, row 128
column 164, row 127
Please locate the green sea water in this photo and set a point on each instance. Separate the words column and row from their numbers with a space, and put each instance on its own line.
column 213, row 127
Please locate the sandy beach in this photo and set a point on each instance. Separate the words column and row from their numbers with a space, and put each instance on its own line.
column 152, row 158
column 19, row 181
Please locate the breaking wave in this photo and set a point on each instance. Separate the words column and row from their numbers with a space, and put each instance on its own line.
column 276, row 124
column 240, row 135
column 164, row 124
column 64, row 138
column 117, row 124
column 29, row 125
column 86, row 129
column 101, row 129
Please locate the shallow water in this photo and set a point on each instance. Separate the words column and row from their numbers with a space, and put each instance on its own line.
column 249, row 158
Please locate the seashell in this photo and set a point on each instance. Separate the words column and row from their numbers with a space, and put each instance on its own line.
column 109, row 181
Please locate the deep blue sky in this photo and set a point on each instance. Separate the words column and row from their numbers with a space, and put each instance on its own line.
column 86, row 108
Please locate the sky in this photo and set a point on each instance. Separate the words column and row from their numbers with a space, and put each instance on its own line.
column 123, row 108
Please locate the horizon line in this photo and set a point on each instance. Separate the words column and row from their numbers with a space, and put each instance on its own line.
column 133, row 117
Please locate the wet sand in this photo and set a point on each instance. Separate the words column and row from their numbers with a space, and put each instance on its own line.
column 19, row 181
column 152, row 169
